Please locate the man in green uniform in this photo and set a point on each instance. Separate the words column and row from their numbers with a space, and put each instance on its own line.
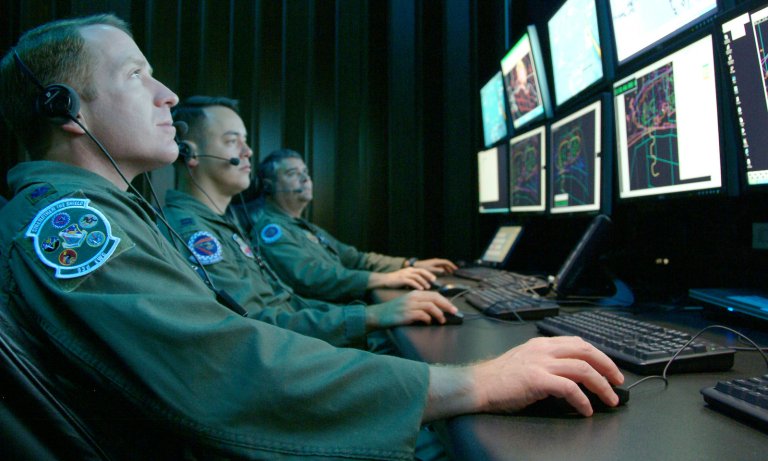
column 307, row 257
column 138, row 345
column 208, row 179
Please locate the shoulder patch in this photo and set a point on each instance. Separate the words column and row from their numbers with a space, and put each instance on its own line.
column 271, row 233
column 206, row 247
column 40, row 193
column 72, row 237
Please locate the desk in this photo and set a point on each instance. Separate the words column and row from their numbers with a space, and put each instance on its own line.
column 657, row 423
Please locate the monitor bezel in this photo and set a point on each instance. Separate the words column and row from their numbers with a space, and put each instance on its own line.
column 541, row 131
column 539, row 66
column 649, row 61
column 502, row 205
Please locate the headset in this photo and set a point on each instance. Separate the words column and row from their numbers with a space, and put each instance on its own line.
column 57, row 102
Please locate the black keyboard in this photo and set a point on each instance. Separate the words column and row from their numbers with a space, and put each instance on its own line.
column 638, row 346
column 742, row 398
column 514, row 280
column 509, row 304
column 477, row 273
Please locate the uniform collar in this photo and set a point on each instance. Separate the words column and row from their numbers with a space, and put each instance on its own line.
column 188, row 204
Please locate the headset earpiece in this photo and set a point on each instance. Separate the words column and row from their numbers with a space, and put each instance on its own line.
column 57, row 102
column 186, row 151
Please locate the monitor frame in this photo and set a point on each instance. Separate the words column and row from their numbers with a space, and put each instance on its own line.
column 542, row 133
column 527, row 44
column 501, row 205
column 691, row 25
column 504, row 102
column 607, row 58
column 625, row 84
column 603, row 164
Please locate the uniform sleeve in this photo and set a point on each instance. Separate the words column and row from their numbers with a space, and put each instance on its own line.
column 311, row 271
column 148, row 326
column 353, row 258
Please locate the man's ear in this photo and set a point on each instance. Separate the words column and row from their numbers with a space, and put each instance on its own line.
column 71, row 127
column 188, row 153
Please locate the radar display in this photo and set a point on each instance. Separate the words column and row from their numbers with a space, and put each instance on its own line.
column 573, row 147
column 525, row 167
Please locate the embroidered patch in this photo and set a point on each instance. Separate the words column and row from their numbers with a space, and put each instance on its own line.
column 271, row 233
column 186, row 222
column 244, row 247
column 40, row 193
column 206, row 247
column 59, row 232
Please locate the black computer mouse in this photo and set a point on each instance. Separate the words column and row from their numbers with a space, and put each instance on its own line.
column 555, row 406
column 450, row 319
column 452, row 289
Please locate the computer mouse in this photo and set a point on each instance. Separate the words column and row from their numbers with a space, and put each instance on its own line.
column 452, row 289
column 556, row 406
column 450, row 319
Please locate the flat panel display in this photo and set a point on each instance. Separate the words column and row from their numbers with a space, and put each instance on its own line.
column 525, row 80
column 493, row 109
column 575, row 49
column 527, row 165
column 493, row 180
column 744, row 40
column 641, row 24
column 667, row 131
column 575, row 161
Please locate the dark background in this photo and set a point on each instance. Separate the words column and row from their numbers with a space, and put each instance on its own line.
column 382, row 97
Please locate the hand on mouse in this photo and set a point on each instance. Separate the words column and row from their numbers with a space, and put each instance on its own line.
column 417, row 306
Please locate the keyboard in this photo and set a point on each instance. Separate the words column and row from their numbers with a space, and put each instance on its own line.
column 639, row 346
column 477, row 273
column 741, row 398
column 509, row 304
column 514, row 280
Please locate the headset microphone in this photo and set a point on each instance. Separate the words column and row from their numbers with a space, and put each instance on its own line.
column 293, row 191
column 234, row 161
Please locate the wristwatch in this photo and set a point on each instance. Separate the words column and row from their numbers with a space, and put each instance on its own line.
column 410, row 262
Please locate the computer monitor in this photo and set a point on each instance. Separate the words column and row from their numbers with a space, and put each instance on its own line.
column 527, row 165
column 746, row 50
column 667, row 131
column 575, row 161
column 579, row 48
column 525, row 80
column 493, row 180
column 494, row 110
column 640, row 25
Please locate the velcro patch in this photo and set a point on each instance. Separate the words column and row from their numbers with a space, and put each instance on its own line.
column 206, row 247
column 271, row 233
column 71, row 237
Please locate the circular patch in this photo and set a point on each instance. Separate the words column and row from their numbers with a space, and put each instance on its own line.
column 88, row 221
column 68, row 257
column 271, row 233
column 58, row 226
column 206, row 247
column 60, row 220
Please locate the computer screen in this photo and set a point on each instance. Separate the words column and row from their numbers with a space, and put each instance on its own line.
column 493, row 180
column 500, row 248
column 525, row 80
column 527, row 164
column 744, row 40
column 575, row 161
column 639, row 25
column 575, row 48
column 667, row 131
column 494, row 110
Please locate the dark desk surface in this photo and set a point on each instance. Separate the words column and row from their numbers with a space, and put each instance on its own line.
column 657, row 423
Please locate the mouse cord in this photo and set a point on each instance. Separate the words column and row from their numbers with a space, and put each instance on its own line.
column 663, row 375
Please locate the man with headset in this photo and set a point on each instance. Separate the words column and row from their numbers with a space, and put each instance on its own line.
column 140, row 347
column 308, row 258
column 213, row 166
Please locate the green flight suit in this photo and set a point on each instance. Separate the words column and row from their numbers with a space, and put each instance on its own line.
column 158, row 368
column 311, row 261
column 232, row 265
